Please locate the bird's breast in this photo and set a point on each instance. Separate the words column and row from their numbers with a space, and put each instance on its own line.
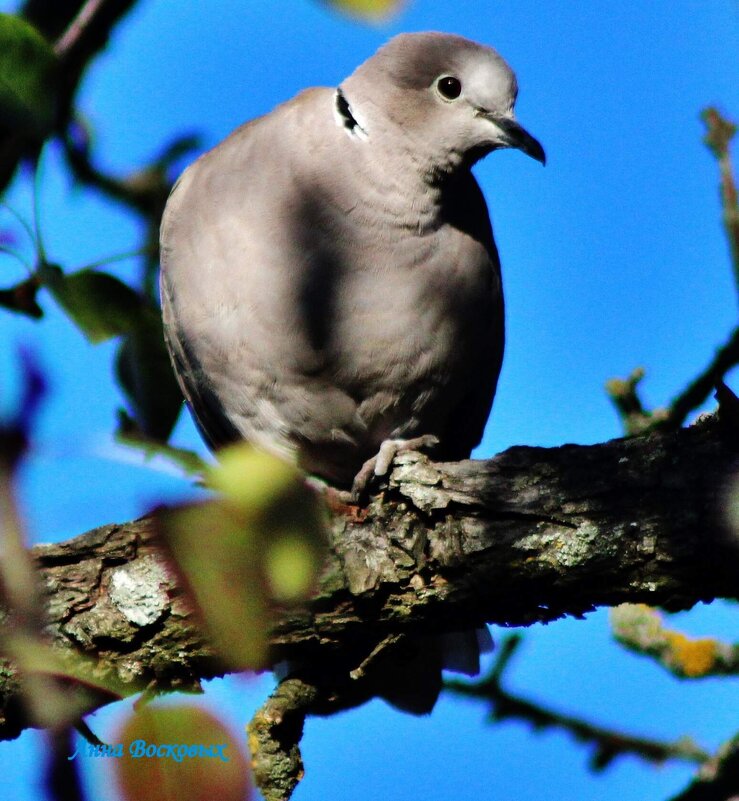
column 407, row 306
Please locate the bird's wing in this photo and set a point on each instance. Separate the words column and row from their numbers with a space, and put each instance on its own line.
column 466, row 210
column 232, row 251
column 207, row 411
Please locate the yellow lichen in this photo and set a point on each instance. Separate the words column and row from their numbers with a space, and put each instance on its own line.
column 693, row 657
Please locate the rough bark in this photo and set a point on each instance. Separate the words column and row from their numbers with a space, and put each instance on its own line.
column 531, row 535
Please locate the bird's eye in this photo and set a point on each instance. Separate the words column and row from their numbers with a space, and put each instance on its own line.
column 449, row 87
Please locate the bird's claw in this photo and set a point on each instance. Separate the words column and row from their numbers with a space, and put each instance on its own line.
column 379, row 465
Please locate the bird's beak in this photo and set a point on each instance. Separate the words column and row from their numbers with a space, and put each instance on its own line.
column 518, row 137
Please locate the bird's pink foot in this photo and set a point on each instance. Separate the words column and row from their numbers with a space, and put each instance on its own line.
column 379, row 465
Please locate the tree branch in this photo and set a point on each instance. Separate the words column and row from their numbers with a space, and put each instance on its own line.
column 81, row 29
column 531, row 535
column 717, row 779
column 641, row 629
column 636, row 419
column 608, row 744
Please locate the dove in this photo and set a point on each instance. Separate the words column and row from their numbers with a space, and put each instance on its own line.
column 330, row 285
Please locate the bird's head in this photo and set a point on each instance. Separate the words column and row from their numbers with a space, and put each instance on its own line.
column 445, row 98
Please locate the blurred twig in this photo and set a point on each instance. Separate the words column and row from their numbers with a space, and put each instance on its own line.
column 80, row 30
column 19, row 580
column 77, row 27
column 144, row 191
column 63, row 781
column 608, row 743
column 640, row 628
column 46, row 696
column 718, row 778
column 720, row 132
column 635, row 417
column 77, row 46
column 17, row 574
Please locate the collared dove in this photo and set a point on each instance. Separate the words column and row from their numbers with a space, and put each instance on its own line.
column 330, row 284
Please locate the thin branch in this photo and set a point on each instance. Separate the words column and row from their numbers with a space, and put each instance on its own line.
column 720, row 132
column 641, row 630
column 144, row 191
column 106, row 260
column 637, row 419
column 274, row 733
column 718, row 779
column 20, row 220
column 701, row 387
column 609, row 744
column 77, row 151
column 37, row 238
column 77, row 27
column 18, row 256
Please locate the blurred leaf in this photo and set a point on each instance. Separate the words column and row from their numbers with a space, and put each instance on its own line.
column 27, row 79
column 145, row 374
column 180, row 753
column 218, row 559
column 290, row 565
column 262, row 542
column 21, row 298
column 188, row 461
column 272, row 494
column 367, row 8
column 57, row 690
column 251, row 478
column 100, row 304
column 102, row 307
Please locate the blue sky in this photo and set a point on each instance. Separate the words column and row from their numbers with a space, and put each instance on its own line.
column 613, row 257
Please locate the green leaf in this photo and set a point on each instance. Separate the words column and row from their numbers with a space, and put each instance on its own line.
column 100, row 304
column 179, row 753
column 217, row 556
column 27, row 79
column 290, row 565
column 372, row 9
column 272, row 492
column 250, row 478
column 21, row 298
column 104, row 307
column 262, row 542
column 186, row 460
column 59, row 687
column 145, row 374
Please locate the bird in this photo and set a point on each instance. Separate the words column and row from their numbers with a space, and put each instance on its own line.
column 330, row 285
